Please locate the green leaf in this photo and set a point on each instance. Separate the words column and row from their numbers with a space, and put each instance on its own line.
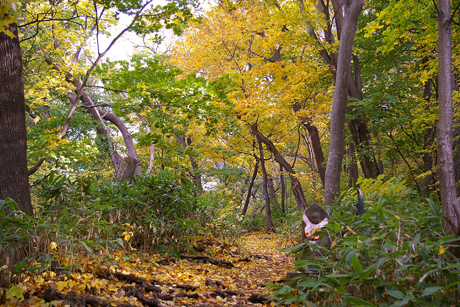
column 401, row 303
column 15, row 291
column 356, row 264
column 396, row 294
column 358, row 301
column 430, row 290
column 366, row 272
column 89, row 249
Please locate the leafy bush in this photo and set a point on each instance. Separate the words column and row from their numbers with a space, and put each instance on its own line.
column 97, row 217
column 395, row 254
column 152, row 210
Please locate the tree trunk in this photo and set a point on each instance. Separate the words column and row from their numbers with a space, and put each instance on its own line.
column 14, row 180
column 362, row 140
column 268, row 214
column 315, row 143
column 251, row 185
column 353, row 170
column 295, row 184
column 312, row 162
column 187, row 141
column 339, row 106
column 271, row 190
column 357, row 126
column 428, row 138
column 283, row 190
column 103, row 132
column 132, row 153
column 446, row 171
column 128, row 169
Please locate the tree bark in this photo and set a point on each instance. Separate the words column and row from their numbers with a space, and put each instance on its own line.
column 353, row 170
column 312, row 162
column 315, row 143
column 268, row 214
column 446, row 171
column 339, row 106
column 128, row 169
column 251, row 185
column 101, row 130
column 357, row 126
column 271, row 190
column 283, row 190
column 14, row 180
column 132, row 153
column 428, row 138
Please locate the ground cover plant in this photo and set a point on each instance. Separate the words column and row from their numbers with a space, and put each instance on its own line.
column 395, row 254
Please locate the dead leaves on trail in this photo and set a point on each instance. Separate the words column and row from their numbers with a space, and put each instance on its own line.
column 226, row 275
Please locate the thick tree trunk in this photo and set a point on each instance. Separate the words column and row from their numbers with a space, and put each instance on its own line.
column 128, row 169
column 295, row 184
column 446, row 171
column 14, row 180
column 339, row 106
column 268, row 214
column 357, row 126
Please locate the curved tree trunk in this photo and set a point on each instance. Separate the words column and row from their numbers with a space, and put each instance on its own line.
column 295, row 184
column 14, row 180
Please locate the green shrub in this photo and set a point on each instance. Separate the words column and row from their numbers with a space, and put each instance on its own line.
column 395, row 254
column 98, row 217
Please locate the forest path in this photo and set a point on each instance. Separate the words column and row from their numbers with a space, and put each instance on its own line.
column 236, row 278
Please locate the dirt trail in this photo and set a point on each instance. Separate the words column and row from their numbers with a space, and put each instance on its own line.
column 140, row 279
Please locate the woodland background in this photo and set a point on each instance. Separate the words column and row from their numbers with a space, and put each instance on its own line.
column 223, row 111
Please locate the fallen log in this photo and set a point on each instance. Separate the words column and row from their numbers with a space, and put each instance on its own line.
column 151, row 302
column 78, row 300
column 258, row 298
column 214, row 283
column 209, row 260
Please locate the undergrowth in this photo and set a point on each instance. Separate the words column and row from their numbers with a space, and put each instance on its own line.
column 162, row 213
column 395, row 254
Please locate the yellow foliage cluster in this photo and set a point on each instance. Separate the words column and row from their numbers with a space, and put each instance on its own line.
column 266, row 265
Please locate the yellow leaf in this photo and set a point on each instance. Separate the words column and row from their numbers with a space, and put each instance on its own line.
column 53, row 246
column 441, row 250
